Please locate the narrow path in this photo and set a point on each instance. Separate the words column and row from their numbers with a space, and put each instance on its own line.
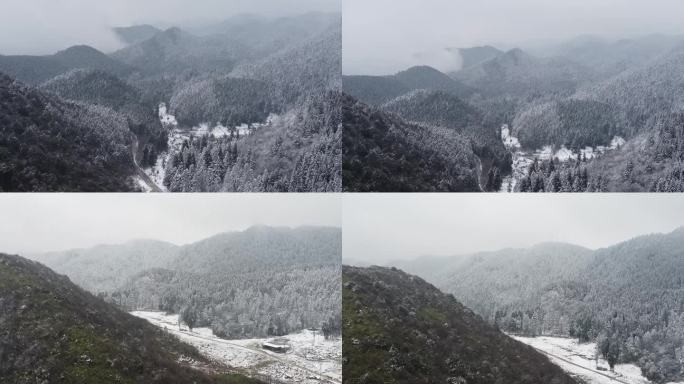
column 145, row 178
column 583, row 367
column 256, row 350
column 479, row 174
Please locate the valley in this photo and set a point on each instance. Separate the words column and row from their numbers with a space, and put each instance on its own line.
column 179, row 136
column 261, row 304
column 626, row 297
column 582, row 102
column 218, row 83
column 524, row 160
column 311, row 358
column 237, row 290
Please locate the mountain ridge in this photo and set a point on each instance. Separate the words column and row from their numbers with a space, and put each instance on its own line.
column 37, row 69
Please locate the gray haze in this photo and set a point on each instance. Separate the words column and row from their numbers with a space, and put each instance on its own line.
column 385, row 36
column 53, row 222
column 46, row 26
column 381, row 228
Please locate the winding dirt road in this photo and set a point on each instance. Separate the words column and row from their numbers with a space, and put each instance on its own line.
column 141, row 173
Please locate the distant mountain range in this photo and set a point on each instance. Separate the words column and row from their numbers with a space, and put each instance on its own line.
column 37, row 69
column 398, row 328
column 54, row 331
column 378, row 90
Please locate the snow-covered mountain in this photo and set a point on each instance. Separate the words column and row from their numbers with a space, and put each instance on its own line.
column 630, row 294
column 258, row 282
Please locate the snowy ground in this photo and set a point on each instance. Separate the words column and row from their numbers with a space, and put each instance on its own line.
column 579, row 361
column 142, row 184
column 177, row 135
column 312, row 359
column 523, row 160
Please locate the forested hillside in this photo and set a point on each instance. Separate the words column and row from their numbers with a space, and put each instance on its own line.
column 102, row 88
column 297, row 152
column 34, row 70
column 384, row 153
column 47, row 144
column 266, row 34
column 442, row 109
column 55, row 332
column 400, row 329
column 107, row 267
column 377, row 90
column 571, row 122
column 229, row 101
column 374, row 90
column 259, row 282
column 176, row 52
column 626, row 104
column 310, row 68
column 642, row 94
column 434, row 102
column 650, row 162
column 629, row 295
column 639, row 103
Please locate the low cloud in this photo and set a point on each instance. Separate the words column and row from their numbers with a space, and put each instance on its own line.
column 381, row 36
column 47, row 26
column 445, row 60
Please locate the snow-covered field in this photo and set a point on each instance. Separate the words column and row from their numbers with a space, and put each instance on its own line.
column 579, row 360
column 311, row 359
column 142, row 184
column 523, row 160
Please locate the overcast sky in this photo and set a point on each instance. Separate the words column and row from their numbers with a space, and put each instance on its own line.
column 46, row 26
column 381, row 228
column 385, row 36
column 52, row 222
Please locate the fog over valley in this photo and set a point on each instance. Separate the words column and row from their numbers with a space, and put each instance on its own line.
column 382, row 37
